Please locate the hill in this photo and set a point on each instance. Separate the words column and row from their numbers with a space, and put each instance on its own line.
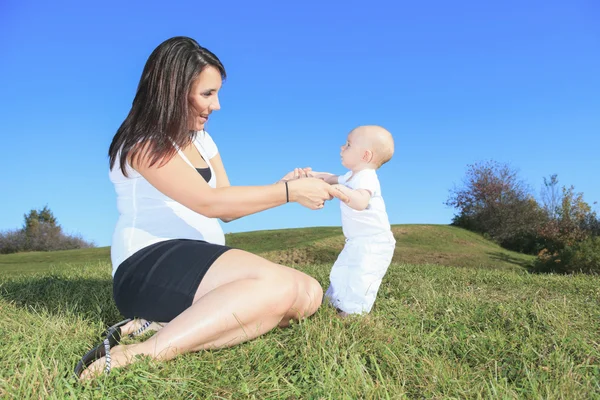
column 416, row 244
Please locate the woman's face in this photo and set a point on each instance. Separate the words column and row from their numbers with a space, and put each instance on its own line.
column 204, row 97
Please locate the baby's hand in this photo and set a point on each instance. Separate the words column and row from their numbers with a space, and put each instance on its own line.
column 297, row 173
column 320, row 175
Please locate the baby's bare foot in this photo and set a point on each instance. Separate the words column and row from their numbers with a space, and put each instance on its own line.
column 341, row 314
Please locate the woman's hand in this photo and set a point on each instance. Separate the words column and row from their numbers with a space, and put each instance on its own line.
column 313, row 193
column 297, row 173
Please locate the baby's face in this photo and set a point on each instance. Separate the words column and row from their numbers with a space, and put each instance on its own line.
column 353, row 151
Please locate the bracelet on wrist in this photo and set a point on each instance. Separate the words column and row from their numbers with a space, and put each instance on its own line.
column 287, row 193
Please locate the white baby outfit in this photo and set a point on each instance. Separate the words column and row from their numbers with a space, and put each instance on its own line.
column 357, row 273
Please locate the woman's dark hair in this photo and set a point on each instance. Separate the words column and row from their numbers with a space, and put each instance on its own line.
column 159, row 114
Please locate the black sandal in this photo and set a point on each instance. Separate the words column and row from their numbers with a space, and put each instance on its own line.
column 112, row 338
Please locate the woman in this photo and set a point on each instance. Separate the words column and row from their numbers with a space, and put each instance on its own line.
column 170, row 262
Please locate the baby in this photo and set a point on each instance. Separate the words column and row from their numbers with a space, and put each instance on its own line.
column 357, row 273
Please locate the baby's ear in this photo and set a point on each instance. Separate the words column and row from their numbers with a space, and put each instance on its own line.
column 367, row 156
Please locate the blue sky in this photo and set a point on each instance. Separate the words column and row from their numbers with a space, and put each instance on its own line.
column 455, row 83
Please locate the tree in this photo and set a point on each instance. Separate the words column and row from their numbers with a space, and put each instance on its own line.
column 494, row 201
column 42, row 233
column 570, row 237
column 572, row 221
column 551, row 196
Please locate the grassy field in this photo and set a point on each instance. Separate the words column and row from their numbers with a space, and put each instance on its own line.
column 456, row 317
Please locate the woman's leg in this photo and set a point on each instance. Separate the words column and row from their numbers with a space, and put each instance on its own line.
column 241, row 297
column 224, row 271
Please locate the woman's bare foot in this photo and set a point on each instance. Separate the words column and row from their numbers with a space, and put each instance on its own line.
column 120, row 356
column 134, row 326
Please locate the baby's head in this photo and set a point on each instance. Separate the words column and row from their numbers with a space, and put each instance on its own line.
column 368, row 146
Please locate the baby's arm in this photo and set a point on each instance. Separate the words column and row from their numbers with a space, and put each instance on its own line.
column 358, row 198
column 326, row 176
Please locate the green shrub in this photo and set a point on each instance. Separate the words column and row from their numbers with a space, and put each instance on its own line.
column 581, row 257
column 40, row 232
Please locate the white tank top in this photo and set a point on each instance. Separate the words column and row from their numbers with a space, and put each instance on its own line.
column 146, row 216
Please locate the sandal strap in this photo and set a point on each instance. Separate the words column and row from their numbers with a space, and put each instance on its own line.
column 107, row 357
column 141, row 329
column 106, row 343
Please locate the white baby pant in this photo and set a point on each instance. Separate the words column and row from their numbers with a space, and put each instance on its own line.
column 357, row 273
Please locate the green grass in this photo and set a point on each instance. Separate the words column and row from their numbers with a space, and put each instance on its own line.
column 417, row 244
column 488, row 329
column 46, row 262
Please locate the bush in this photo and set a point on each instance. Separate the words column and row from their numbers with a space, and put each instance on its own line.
column 495, row 202
column 581, row 257
column 12, row 241
column 571, row 221
column 40, row 232
column 523, row 242
column 591, row 224
column 52, row 238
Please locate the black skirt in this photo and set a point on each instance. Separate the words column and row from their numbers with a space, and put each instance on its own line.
column 159, row 282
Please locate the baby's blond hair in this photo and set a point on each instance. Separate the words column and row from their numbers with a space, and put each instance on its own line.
column 377, row 139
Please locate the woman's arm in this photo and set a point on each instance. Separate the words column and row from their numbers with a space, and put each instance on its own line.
column 219, row 168
column 221, row 177
column 183, row 184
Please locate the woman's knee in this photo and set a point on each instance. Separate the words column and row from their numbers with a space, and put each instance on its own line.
column 310, row 295
column 315, row 294
column 283, row 291
column 316, row 288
